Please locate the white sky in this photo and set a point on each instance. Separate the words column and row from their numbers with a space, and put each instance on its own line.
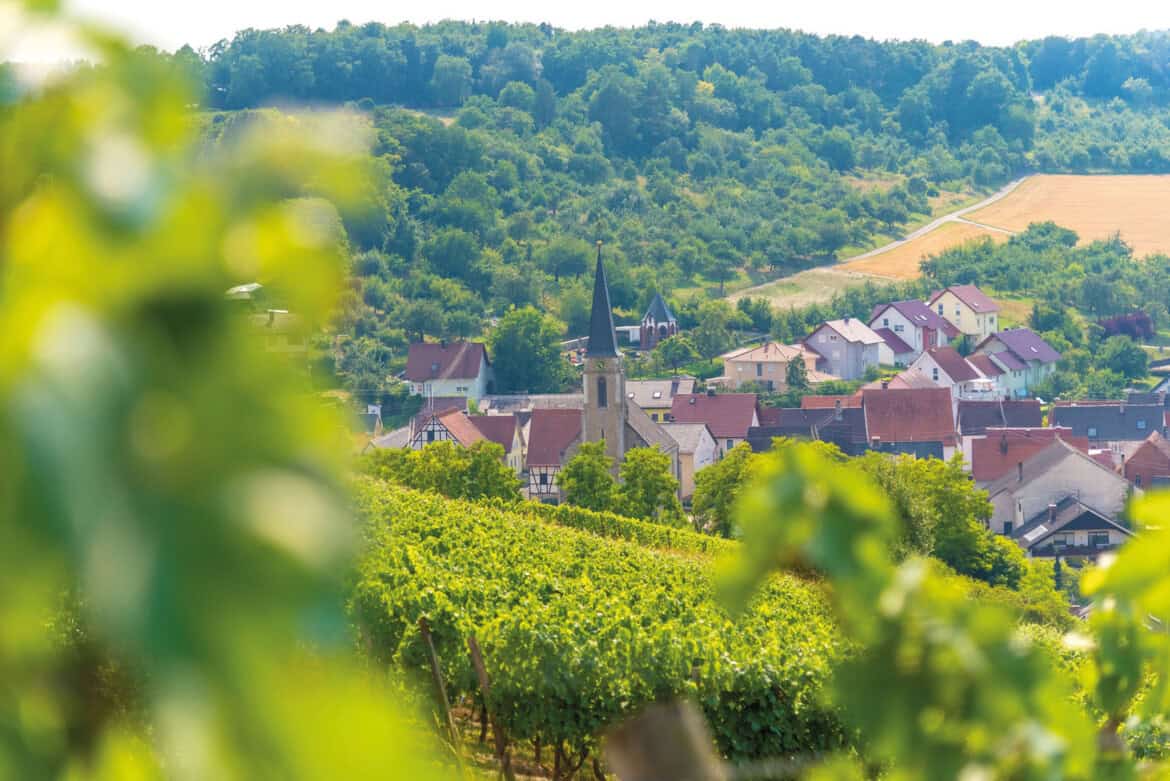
column 171, row 23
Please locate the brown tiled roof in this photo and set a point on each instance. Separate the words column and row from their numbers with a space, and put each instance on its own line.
column 500, row 429
column 437, row 406
column 909, row 415
column 971, row 296
column 955, row 365
column 984, row 364
column 901, row 381
column 826, row 402
column 450, row 361
column 728, row 415
column 895, row 342
column 1002, row 449
column 459, row 424
column 550, row 434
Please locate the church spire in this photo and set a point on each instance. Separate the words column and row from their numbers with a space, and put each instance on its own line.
column 602, row 339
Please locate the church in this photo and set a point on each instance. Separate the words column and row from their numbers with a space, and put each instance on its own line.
column 607, row 412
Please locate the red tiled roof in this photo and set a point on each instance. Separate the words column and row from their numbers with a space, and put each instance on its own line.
column 894, row 341
column 451, row 361
column 909, row 415
column 971, row 296
column 460, row 426
column 500, row 429
column 998, row 453
column 902, row 381
column 984, row 364
column 955, row 365
column 437, row 405
column 550, row 434
column 728, row 415
column 827, row 402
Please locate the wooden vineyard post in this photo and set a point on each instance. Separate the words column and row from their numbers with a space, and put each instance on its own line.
column 497, row 731
column 437, row 673
column 666, row 742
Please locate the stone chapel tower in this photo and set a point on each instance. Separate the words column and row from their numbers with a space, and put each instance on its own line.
column 604, row 416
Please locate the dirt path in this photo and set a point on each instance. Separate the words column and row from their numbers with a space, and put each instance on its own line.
column 955, row 216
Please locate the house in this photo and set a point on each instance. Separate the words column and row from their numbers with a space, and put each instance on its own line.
column 1048, row 477
column 505, row 431
column 449, row 369
column 895, row 351
column 1070, row 528
column 998, row 451
column 1111, row 423
column 994, row 372
column 451, row 425
column 727, row 415
column 945, row 367
column 658, row 324
column 656, row 396
column 847, row 348
column 915, row 325
column 968, row 309
column 841, row 425
column 975, row 417
column 918, row 421
column 1149, row 465
column 553, row 438
column 1025, row 358
column 767, row 364
column 696, row 450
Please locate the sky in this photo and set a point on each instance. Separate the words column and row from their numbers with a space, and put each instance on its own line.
column 171, row 23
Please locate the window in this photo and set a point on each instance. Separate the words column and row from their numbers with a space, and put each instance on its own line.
column 958, row 312
column 934, row 374
column 885, row 322
column 940, row 309
column 1137, row 481
column 1098, row 539
column 1007, row 528
column 759, row 370
column 1141, row 424
column 602, row 393
column 544, row 478
column 899, row 328
column 430, row 435
column 1092, row 431
column 1064, row 539
column 730, row 444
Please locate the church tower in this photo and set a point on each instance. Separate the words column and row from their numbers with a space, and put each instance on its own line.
column 605, row 413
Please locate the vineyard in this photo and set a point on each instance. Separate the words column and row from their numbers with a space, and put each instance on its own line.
column 579, row 629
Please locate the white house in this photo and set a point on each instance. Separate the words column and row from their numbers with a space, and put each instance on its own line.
column 916, row 324
column 944, row 366
column 445, row 369
column 847, row 348
column 1025, row 358
column 696, row 450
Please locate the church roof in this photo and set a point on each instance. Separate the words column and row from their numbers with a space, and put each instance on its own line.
column 602, row 339
column 659, row 312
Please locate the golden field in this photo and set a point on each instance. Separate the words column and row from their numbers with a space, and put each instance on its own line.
column 902, row 261
column 1094, row 206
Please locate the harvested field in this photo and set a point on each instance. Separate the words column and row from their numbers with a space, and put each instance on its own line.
column 1093, row 206
column 902, row 262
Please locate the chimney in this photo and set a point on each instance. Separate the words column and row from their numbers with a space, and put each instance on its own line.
column 1051, row 512
column 875, row 443
column 846, row 320
column 1020, row 470
column 837, row 409
column 885, row 384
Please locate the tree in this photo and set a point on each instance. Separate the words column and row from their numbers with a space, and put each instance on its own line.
column 526, row 353
column 1124, row 356
column 1044, row 603
column 796, row 375
column 422, row 317
column 474, row 473
column 566, row 255
column 836, row 148
column 587, row 479
column 648, row 489
column 451, row 82
column 716, row 489
column 675, row 351
column 452, row 252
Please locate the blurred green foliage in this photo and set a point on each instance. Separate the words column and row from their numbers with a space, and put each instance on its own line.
column 174, row 481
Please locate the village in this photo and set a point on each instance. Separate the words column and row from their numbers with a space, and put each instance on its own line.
column 1058, row 474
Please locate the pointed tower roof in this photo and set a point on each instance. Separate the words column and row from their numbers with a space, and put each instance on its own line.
column 602, row 339
column 659, row 312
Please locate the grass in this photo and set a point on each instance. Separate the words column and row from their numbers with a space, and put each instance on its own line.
column 812, row 286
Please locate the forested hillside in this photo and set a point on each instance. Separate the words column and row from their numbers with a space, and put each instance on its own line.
column 700, row 156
